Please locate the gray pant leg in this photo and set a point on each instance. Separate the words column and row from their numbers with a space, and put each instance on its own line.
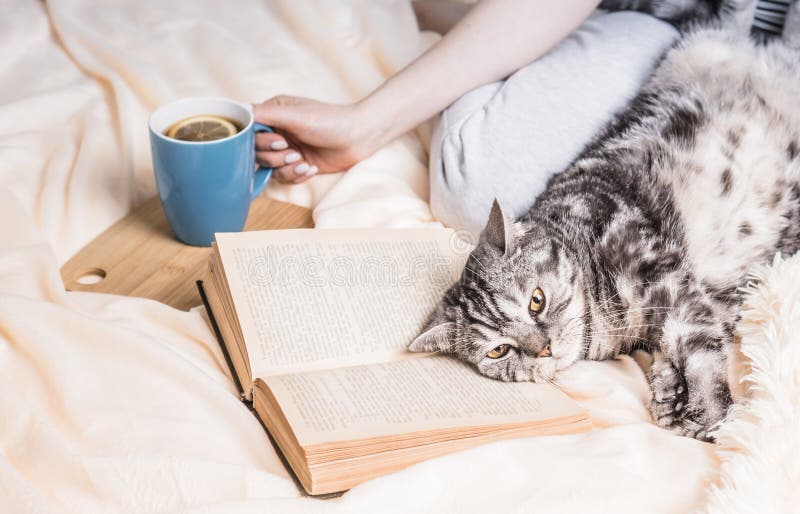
column 505, row 140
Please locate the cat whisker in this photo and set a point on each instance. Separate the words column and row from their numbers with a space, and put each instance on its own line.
column 478, row 262
column 475, row 272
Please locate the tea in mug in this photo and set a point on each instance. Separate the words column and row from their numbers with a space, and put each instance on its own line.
column 202, row 127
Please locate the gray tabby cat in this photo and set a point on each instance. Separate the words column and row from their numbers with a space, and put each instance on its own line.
column 643, row 240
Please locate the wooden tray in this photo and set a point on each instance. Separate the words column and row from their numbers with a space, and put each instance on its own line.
column 139, row 255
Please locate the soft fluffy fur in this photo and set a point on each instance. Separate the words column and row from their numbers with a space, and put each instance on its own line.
column 643, row 240
column 760, row 442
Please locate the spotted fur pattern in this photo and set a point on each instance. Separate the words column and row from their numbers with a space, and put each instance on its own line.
column 642, row 242
column 675, row 11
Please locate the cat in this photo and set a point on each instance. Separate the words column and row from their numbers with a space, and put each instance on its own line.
column 681, row 12
column 642, row 241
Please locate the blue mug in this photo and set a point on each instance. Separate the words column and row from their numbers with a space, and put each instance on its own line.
column 206, row 187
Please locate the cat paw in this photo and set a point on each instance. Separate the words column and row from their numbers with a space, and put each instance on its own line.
column 690, row 428
column 668, row 392
column 668, row 401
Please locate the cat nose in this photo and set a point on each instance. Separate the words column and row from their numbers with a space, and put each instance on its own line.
column 545, row 352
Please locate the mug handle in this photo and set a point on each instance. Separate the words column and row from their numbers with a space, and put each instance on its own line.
column 262, row 174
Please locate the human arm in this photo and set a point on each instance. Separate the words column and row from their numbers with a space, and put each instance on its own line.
column 493, row 39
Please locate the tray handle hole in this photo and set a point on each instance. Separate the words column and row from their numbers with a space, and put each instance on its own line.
column 91, row 276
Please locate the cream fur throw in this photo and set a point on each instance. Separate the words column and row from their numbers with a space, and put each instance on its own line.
column 760, row 443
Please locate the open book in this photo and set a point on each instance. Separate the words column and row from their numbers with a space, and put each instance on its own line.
column 316, row 324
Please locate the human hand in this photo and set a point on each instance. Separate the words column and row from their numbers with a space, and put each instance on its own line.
column 310, row 137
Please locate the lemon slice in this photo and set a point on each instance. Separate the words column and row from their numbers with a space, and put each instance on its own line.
column 202, row 128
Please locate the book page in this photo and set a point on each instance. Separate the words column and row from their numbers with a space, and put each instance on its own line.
column 400, row 397
column 314, row 299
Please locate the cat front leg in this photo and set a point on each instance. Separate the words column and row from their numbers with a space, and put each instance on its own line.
column 688, row 378
column 668, row 391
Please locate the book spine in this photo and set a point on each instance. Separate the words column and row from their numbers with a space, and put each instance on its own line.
column 221, row 342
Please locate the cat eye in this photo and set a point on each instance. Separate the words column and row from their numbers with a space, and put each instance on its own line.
column 499, row 351
column 537, row 301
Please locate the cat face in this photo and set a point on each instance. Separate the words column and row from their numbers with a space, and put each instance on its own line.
column 519, row 310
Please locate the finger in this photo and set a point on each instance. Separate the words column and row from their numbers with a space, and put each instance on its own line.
column 293, row 172
column 270, row 141
column 278, row 159
column 311, row 172
column 282, row 177
column 285, row 174
column 275, row 112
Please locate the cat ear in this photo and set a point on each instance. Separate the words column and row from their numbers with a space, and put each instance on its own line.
column 498, row 230
column 435, row 338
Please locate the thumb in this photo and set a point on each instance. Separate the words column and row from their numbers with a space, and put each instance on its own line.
column 277, row 112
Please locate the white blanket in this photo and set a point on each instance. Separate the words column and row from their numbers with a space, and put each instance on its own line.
column 113, row 404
